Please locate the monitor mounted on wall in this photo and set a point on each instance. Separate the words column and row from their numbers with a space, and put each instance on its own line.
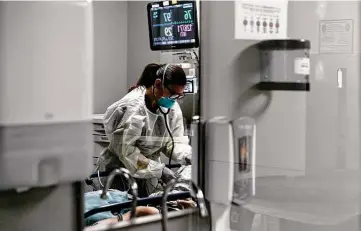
column 173, row 25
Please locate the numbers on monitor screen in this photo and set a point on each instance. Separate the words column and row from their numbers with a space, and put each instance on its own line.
column 167, row 17
column 187, row 15
column 155, row 14
column 168, row 31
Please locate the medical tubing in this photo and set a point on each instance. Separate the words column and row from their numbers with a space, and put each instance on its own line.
column 101, row 184
column 197, row 58
column 171, row 137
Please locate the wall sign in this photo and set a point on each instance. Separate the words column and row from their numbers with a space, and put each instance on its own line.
column 336, row 36
column 260, row 19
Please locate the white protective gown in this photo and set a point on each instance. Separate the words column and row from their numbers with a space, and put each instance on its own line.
column 138, row 136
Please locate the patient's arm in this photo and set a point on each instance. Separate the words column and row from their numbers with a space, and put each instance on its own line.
column 139, row 212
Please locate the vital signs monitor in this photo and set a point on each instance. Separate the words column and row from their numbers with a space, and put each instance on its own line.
column 172, row 25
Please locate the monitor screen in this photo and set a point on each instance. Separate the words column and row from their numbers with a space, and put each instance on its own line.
column 172, row 25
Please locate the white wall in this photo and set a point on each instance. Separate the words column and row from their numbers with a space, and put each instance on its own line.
column 318, row 131
column 333, row 114
column 139, row 53
column 121, row 49
column 110, row 53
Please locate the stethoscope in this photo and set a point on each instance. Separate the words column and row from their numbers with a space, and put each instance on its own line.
column 165, row 115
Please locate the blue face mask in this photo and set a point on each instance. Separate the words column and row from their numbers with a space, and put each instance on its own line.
column 166, row 102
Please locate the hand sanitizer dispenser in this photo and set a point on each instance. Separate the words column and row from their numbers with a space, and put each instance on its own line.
column 220, row 161
column 244, row 138
column 231, row 160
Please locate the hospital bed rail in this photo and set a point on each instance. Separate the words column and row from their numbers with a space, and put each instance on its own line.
column 156, row 200
column 98, row 185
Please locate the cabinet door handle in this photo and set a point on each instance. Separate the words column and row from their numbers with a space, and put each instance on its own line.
column 339, row 77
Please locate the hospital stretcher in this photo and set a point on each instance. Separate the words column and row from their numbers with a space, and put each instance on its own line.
column 186, row 218
column 147, row 201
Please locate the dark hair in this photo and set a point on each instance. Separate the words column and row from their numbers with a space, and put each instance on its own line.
column 148, row 76
column 173, row 75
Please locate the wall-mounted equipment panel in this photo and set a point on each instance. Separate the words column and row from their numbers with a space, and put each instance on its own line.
column 285, row 65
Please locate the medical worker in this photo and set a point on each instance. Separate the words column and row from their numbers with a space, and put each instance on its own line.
column 137, row 125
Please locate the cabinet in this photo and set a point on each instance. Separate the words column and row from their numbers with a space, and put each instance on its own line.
column 100, row 139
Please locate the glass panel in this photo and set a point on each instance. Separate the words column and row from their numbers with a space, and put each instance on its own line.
column 315, row 185
column 307, row 165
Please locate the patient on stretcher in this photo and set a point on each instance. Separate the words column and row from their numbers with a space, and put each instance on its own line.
column 93, row 200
